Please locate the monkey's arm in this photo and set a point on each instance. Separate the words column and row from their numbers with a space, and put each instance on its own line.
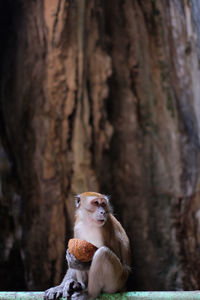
column 74, row 263
column 67, row 287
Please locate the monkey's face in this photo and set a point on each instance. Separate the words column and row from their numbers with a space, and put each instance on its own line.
column 93, row 207
column 98, row 209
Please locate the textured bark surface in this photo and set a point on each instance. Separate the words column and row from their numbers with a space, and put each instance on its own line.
column 103, row 96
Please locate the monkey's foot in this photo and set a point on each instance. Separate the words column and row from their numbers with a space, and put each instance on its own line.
column 83, row 295
column 73, row 286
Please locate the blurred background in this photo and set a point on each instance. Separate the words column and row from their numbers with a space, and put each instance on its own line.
column 102, row 96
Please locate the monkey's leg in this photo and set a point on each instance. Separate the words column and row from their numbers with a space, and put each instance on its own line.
column 68, row 286
column 106, row 273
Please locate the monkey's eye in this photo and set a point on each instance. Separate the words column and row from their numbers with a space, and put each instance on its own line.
column 103, row 204
column 96, row 203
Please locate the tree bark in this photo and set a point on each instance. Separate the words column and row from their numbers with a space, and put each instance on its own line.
column 103, row 96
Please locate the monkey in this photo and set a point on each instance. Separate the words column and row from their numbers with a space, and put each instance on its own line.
column 110, row 266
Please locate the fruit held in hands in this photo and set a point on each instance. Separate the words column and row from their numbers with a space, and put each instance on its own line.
column 81, row 249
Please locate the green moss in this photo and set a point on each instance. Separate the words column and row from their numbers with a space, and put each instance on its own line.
column 155, row 10
column 148, row 126
column 164, row 71
column 165, row 76
column 170, row 104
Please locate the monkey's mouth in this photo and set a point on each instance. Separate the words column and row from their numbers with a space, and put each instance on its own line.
column 100, row 221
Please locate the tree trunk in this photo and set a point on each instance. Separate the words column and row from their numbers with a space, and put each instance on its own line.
column 103, row 96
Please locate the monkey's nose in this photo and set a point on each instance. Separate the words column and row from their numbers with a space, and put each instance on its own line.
column 103, row 213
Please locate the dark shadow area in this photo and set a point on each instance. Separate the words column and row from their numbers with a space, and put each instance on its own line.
column 11, row 265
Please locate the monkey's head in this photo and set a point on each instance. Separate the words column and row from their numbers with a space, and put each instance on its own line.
column 93, row 207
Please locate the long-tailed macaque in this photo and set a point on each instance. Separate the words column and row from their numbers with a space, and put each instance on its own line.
column 109, row 269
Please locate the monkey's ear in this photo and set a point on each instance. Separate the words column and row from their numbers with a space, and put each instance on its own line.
column 107, row 197
column 77, row 201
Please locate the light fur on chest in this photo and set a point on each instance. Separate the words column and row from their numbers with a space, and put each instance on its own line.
column 89, row 233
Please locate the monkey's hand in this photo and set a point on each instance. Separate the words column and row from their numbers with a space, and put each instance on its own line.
column 66, row 289
column 74, row 263
column 53, row 293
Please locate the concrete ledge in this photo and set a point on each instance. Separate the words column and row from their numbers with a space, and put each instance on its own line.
column 193, row 295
